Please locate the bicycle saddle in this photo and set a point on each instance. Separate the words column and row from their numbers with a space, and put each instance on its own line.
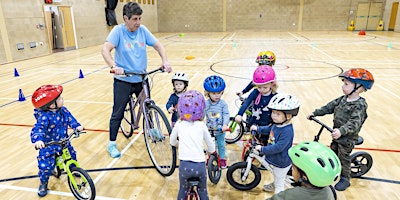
column 193, row 181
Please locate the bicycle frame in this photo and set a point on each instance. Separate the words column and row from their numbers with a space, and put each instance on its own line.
column 142, row 100
column 254, row 154
column 66, row 158
column 155, row 125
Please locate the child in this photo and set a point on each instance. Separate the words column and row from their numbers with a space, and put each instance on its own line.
column 180, row 82
column 284, row 107
column 264, row 79
column 192, row 131
column 315, row 168
column 217, row 112
column 263, row 58
column 52, row 121
column 349, row 113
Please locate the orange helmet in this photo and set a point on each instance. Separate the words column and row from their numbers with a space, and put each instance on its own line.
column 46, row 95
column 360, row 76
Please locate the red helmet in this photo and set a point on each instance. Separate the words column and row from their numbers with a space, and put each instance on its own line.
column 360, row 76
column 45, row 95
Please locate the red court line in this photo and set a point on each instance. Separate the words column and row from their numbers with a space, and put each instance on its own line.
column 100, row 130
column 87, row 129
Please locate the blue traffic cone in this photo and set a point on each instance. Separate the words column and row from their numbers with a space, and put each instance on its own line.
column 21, row 96
column 16, row 72
column 81, row 74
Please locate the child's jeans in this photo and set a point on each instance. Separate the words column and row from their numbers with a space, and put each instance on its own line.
column 220, row 142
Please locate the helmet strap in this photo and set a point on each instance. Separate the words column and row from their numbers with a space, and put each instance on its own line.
column 356, row 87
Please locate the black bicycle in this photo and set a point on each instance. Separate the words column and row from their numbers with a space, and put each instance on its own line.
column 156, row 126
column 361, row 161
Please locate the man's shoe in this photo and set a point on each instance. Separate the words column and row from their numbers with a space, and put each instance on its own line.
column 343, row 184
column 112, row 149
column 42, row 190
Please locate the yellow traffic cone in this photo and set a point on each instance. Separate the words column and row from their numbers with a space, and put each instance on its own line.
column 380, row 26
column 351, row 26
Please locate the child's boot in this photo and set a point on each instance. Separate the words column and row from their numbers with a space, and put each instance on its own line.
column 343, row 184
column 42, row 189
column 223, row 163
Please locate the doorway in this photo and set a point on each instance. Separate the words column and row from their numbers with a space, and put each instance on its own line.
column 61, row 30
column 368, row 16
column 392, row 22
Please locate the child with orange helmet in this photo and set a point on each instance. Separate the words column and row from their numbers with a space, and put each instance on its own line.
column 192, row 132
column 52, row 122
column 349, row 114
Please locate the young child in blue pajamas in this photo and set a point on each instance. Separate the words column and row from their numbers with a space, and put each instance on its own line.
column 180, row 82
column 192, row 132
column 52, row 122
column 217, row 112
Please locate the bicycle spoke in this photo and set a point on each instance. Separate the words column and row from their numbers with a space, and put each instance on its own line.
column 162, row 154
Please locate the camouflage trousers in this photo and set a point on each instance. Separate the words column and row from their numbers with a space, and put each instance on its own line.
column 343, row 147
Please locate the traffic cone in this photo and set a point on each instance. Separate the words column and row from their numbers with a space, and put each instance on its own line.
column 81, row 74
column 380, row 26
column 21, row 96
column 351, row 26
column 16, row 72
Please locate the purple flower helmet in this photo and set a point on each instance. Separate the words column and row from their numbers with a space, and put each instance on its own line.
column 191, row 106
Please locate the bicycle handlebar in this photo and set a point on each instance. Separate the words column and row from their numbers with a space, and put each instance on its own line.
column 321, row 123
column 127, row 73
column 74, row 134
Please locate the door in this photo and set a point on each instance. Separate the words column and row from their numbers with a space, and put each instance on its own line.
column 374, row 16
column 67, row 29
column 392, row 23
column 362, row 16
column 368, row 16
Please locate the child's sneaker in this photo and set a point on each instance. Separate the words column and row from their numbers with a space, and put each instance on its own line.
column 223, row 163
column 112, row 149
column 269, row 188
column 42, row 190
column 343, row 184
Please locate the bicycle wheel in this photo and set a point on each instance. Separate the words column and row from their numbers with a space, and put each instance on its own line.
column 214, row 172
column 361, row 163
column 236, row 132
column 235, row 175
column 127, row 122
column 156, row 136
column 85, row 188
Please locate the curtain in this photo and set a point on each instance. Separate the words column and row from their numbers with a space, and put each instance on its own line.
column 110, row 12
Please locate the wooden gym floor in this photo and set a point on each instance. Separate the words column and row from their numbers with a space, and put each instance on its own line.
column 307, row 66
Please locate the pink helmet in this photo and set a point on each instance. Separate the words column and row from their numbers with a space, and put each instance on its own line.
column 191, row 106
column 263, row 75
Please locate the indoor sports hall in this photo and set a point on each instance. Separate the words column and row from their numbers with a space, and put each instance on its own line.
column 308, row 62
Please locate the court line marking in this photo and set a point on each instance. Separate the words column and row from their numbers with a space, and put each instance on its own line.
column 116, row 159
column 68, row 194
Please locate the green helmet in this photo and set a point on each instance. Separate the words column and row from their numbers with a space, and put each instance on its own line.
column 321, row 164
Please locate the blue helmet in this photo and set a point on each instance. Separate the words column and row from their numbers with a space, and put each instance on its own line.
column 214, row 84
